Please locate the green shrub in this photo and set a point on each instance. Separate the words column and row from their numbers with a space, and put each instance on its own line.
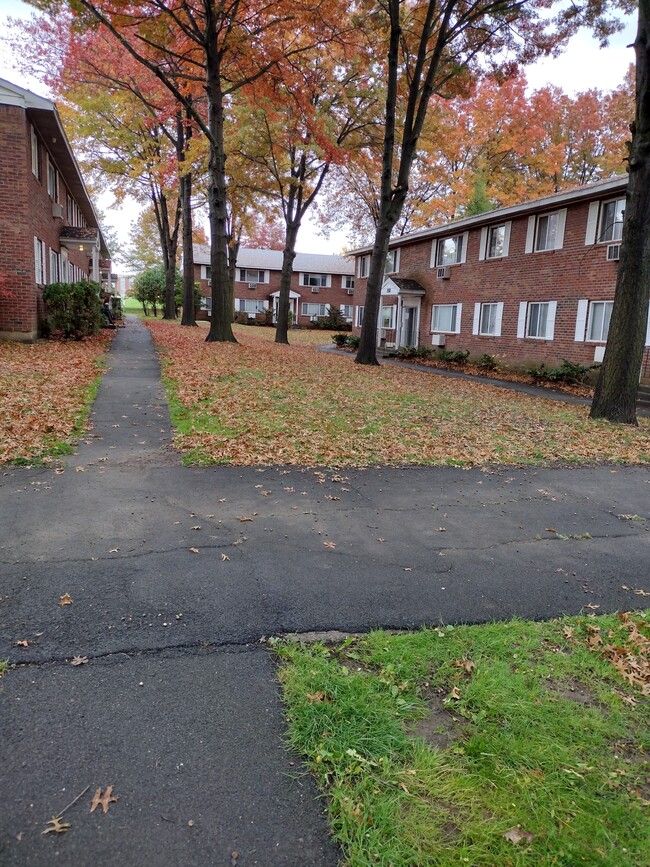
column 334, row 321
column 487, row 362
column 74, row 308
column 340, row 339
column 353, row 341
column 410, row 352
column 453, row 356
column 567, row 373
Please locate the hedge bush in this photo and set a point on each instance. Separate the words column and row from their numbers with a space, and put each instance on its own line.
column 74, row 308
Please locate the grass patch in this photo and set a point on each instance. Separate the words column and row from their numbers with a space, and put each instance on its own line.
column 259, row 403
column 447, row 745
column 46, row 391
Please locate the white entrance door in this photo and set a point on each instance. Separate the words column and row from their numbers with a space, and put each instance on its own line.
column 409, row 326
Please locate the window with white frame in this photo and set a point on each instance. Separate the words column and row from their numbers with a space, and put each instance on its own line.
column 537, row 319
column 358, row 319
column 347, row 281
column 34, row 140
column 392, row 262
column 496, row 238
column 611, row 221
column 317, row 280
column 206, row 303
column 250, row 275
column 52, row 181
column 250, row 305
column 346, row 311
column 489, row 320
column 445, row 318
column 546, row 231
column 387, row 317
column 54, row 267
column 600, row 313
column 39, row 261
column 314, row 310
column 450, row 251
column 363, row 266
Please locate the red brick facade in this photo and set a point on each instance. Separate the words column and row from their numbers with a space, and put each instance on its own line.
column 29, row 216
column 259, row 264
column 567, row 282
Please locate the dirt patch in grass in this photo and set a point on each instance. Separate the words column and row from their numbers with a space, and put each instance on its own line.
column 441, row 727
column 574, row 691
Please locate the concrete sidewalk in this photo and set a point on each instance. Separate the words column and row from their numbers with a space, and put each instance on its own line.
column 177, row 707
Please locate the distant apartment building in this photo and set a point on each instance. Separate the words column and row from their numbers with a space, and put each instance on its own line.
column 318, row 282
column 48, row 228
column 532, row 282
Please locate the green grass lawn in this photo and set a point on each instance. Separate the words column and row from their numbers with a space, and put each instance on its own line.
column 507, row 744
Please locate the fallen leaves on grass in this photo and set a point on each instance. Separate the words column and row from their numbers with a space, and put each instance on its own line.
column 228, row 407
column 43, row 388
column 517, row 836
column 630, row 654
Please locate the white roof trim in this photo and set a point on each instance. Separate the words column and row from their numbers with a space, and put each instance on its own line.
column 11, row 94
column 292, row 294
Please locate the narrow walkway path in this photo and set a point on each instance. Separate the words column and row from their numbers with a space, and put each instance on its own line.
column 176, row 573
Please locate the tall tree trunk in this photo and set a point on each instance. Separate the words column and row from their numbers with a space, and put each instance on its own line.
column 221, row 321
column 616, row 390
column 189, row 314
column 169, row 248
column 288, row 255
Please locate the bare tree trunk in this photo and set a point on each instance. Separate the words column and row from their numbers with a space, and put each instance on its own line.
column 288, row 255
column 168, row 248
column 185, row 185
column 616, row 390
column 221, row 320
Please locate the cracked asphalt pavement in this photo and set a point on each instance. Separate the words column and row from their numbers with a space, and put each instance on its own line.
column 175, row 576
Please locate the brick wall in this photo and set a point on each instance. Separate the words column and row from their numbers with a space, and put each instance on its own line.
column 575, row 272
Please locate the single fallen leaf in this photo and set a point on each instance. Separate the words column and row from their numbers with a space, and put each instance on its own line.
column 222, row 500
column 23, row 643
column 57, row 826
column 113, row 550
column 408, row 569
column 551, row 530
column 195, row 550
column 197, row 527
column 441, row 529
column 517, row 836
column 641, row 592
column 225, row 557
column 66, row 599
column 104, row 800
column 79, row 660
column 245, row 518
column 264, row 493
column 593, row 607
column 79, row 470
column 380, row 539
column 316, row 696
column 330, row 497
column 329, row 544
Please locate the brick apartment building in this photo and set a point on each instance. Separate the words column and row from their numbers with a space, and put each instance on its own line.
column 48, row 227
column 529, row 283
column 318, row 282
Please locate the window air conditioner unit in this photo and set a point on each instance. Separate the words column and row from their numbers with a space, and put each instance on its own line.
column 613, row 252
column 350, row 291
column 252, row 285
column 57, row 210
column 438, row 339
column 315, row 288
column 443, row 273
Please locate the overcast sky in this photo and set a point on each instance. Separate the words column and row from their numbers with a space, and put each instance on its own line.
column 583, row 66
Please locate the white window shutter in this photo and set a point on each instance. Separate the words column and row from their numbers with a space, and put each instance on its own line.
column 477, row 318
column 397, row 260
column 328, row 281
column 550, row 320
column 499, row 319
column 581, row 320
column 463, row 252
column 203, row 273
column 459, row 313
column 506, row 238
column 561, row 223
column 530, row 235
column 434, row 245
column 37, row 261
column 482, row 249
column 521, row 320
column 592, row 224
column 647, row 331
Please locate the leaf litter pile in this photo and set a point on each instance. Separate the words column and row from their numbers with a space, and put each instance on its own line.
column 258, row 403
column 45, row 390
column 515, row 743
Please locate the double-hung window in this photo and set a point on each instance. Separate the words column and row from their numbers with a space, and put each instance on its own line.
column 251, row 275
column 358, row 319
column 314, row 310
column 546, row 231
column 537, row 319
column 314, row 280
column 392, row 262
column 34, row 141
column 52, row 181
column 347, row 281
column 346, row 311
column 611, row 221
column 445, row 318
column 250, row 305
column 39, row 262
column 363, row 266
column 489, row 319
column 600, row 313
column 54, row 267
column 450, row 251
column 387, row 317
